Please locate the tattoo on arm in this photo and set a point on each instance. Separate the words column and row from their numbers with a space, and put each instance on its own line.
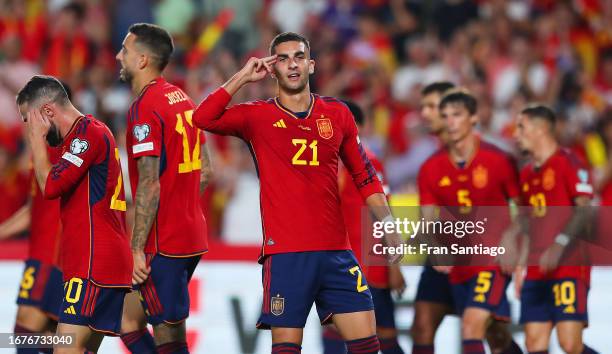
column 207, row 170
column 146, row 200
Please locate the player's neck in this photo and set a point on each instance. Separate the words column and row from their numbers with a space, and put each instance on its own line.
column 69, row 116
column 295, row 102
column 139, row 82
column 543, row 152
column 464, row 149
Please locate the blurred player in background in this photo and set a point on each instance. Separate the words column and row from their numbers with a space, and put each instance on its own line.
column 470, row 172
column 40, row 292
column 94, row 251
column 297, row 140
column 166, row 157
column 382, row 280
column 552, row 295
column 434, row 298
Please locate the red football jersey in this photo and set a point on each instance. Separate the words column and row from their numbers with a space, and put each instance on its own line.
column 297, row 163
column 87, row 179
column 556, row 183
column 352, row 209
column 490, row 178
column 160, row 124
column 45, row 226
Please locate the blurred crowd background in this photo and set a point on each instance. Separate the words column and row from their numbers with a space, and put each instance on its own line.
column 379, row 53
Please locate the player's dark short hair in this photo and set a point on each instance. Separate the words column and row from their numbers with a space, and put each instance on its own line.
column 460, row 96
column 356, row 111
column 540, row 111
column 156, row 40
column 288, row 37
column 42, row 87
column 439, row 87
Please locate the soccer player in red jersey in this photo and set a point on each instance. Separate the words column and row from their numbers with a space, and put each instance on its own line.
column 166, row 159
column 40, row 292
column 381, row 279
column 552, row 295
column 94, row 252
column 297, row 140
column 470, row 172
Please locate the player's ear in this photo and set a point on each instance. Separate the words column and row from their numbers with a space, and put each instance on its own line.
column 311, row 66
column 143, row 61
column 46, row 110
column 474, row 119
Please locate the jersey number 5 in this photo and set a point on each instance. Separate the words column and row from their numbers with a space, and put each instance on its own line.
column 190, row 162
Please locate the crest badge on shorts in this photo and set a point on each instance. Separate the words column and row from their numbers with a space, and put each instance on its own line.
column 325, row 127
column 277, row 305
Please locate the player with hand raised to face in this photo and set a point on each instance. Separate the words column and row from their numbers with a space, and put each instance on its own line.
column 95, row 255
column 297, row 140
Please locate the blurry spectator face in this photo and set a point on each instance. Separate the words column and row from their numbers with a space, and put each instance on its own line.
column 130, row 58
column 431, row 113
column 528, row 131
column 458, row 121
column 293, row 66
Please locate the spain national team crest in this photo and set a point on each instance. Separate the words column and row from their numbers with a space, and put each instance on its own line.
column 548, row 179
column 277, row 305
column 325, row 127
column 480, row 176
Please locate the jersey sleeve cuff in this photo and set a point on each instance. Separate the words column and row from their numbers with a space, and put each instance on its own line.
column 371, row 188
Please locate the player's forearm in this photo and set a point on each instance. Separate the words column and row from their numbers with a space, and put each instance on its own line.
column 580, row 218
column 211, row 109
column 235, row 83
column 378, row 205
column 41, row 164
column 17, row 223
column 207, row 170
column 146, row 200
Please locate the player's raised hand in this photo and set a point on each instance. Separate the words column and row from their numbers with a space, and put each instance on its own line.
column 37, row 126
column 551, row 257
column 141, row 270
column 397, row 283
column 254, row 70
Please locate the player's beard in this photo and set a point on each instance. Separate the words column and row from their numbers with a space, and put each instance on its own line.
column 125, row 76
column 54, row 137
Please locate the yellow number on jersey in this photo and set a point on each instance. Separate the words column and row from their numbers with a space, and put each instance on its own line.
column 565, row 295
column 116, row 203
column 302, row 146
column 360, row 286
column 191, row 161
column 463, row 198
column 73, row 299
column 483, row 285
column 538, row 202
column 27, row 282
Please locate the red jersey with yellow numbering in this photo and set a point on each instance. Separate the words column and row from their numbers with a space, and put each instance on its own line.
column 88, row 181
column 297, row 163
column 490, row 178
column 557, row 183
column 352, row 210
column 45, row 226
column 160, row 124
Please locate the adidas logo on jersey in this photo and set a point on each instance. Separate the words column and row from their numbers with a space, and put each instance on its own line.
column 70, row 310
column 280, row 124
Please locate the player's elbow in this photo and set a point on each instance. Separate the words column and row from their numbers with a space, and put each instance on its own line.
column 50, row 191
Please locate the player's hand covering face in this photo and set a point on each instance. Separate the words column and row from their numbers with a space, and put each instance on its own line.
column 293, row 66
column 37, row 126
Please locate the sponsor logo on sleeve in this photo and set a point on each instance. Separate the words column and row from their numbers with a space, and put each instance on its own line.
column 583, row 186
column 73, row 159
column 141, row 132
column 138, row 148
column 78, row 146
